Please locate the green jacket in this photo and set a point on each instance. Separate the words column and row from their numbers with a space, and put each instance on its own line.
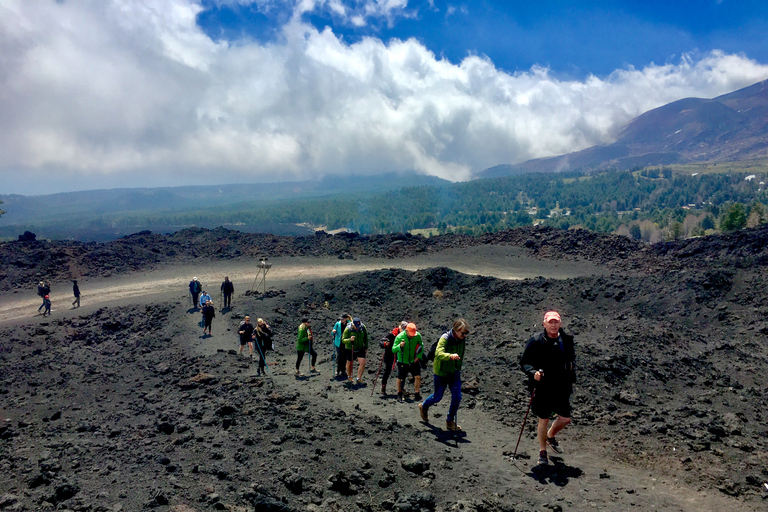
column 361, row 337
column 411, row 350
column 302, row 339
column 447, row 345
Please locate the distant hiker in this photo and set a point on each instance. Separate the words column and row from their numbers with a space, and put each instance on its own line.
column 449, row 356
column 548, row 360
column 263, row 336
column 227, row 289
column 408, row 349
column 205, row 297
column 305, row 342
column 76, row 292
column 341, row 352
column 195, row 287
column 47, row 304
column 43, row 289
column 209, row 313
column 355, row 339
column 389, row 356
column 245, row 330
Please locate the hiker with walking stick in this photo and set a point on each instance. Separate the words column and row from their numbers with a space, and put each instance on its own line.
column 548, row 360
column 263, row 337
column 388, row 357
column 341, row 350
column 449, row 356
column 304, row 342
column 408, row 348
column 355, row 339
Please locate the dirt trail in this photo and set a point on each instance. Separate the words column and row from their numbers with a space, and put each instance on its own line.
column 171, row 281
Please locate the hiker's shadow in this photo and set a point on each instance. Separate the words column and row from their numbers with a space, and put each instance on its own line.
column 447, row 437
column 193, row 310
column 558, row 473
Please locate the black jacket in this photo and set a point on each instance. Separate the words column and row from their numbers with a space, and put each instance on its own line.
column 227, row 288
column 264, row 337
column 543, row 353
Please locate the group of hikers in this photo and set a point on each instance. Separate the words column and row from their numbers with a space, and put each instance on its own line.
column 44, row 292
column 548, row 361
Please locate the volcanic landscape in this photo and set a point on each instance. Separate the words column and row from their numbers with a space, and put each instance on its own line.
column 123, row 405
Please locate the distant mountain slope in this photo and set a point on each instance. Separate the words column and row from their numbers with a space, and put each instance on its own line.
column 730, row 127
column 33, row 209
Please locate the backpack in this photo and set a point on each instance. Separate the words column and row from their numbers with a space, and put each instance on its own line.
column 431, row 353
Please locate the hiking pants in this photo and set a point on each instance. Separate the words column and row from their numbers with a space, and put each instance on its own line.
column 300, row 356
column 389, row 361
column 341, row 359
column 453, row 382
column 227, row 299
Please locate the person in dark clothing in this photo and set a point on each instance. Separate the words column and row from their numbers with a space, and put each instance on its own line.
column 209, row 313
column 548, row 360
column 389, row 356
column 245, row 330
column 76, row 292
column 263, row 336
column 43, row 289
column 304, row 343
column 341, row 351
column 47, row 304
column 227, row 289
column 195, row 287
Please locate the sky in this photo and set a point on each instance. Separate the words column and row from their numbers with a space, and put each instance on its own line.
column 144, row 93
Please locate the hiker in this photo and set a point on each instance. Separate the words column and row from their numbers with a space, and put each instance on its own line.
column 355, row 339
column 548, row 360
column 43, row 289
column 263, row 336
column 408, row 349
column 245, row 330
column 47, row 304
column 341, row 352
column 305, row 343
column 227, row 289
column 209, row 313
column 449, row 355
column 205, row 297
column 389, row 356
column 76, row 293
column 195, row 287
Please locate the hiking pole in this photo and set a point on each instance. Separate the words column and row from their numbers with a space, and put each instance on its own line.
column 309, row 344
column 377, row 373
column 533, row 392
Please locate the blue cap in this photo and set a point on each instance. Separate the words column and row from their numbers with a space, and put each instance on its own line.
column 357, row 322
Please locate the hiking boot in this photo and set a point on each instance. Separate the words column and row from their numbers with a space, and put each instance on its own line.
column 552, row 442
column 299, row 374
column 424, row 413
column 383, row 390
column 452, row 426
column 313, row 370
column 400, row 398
column 417, row 396
column 543, row 460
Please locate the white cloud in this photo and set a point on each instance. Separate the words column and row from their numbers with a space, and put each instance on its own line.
column 134, row 92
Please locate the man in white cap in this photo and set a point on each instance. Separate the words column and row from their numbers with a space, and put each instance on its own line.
column 548, row 361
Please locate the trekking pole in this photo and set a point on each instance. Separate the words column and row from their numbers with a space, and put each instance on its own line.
column 533, row 392
column 309, row 344
column 377, row 373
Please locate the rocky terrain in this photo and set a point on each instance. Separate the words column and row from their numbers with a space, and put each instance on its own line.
column 129, row 408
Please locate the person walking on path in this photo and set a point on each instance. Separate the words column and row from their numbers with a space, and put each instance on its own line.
column 209, row 313
column 263, row 336
column 47, row 304
column 548, row 361
column 341, row 353
column 245, row 330
column 408, row 349
column 305, row 343
column 449, row 356
column 76, row 293
column 43, row 289
column 205, row 297
column 227, row 289
column 195, row 287
column 389, row 356
column 355, row 339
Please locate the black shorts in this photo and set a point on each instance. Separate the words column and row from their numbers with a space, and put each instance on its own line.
column 546, row 403
column 244, row 341
column 355, row 354
column 403, row 369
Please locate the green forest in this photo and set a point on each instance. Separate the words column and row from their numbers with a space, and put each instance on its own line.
column 653, row 204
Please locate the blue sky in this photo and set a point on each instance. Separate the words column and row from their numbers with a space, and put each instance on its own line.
column 572, row 38
column 112, row 93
